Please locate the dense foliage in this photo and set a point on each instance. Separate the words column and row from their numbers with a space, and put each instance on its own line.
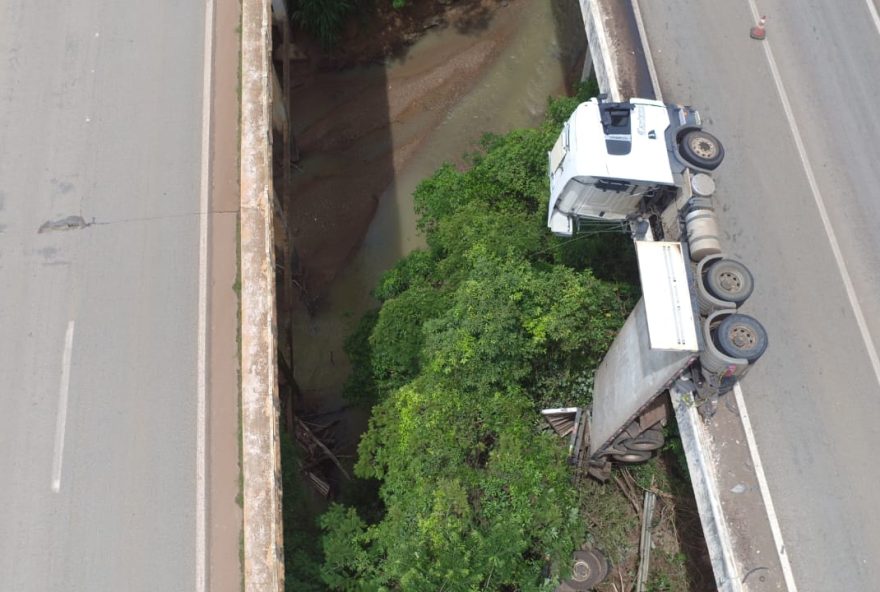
column 474, row 334
column 322, row 18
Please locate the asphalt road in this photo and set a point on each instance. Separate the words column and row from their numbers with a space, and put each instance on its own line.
column 814, row 399
column 101, row 118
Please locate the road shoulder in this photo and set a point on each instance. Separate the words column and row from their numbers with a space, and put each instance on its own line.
column 224, row 395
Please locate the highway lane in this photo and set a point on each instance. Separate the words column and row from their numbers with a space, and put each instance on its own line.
column 814, row 399
column 100, row 117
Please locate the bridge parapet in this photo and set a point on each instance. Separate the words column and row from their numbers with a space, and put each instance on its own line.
column 617, row 49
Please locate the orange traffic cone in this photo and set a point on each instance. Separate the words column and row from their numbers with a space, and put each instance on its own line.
column 758, row 31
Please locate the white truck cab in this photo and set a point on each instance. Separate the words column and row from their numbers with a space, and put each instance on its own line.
column 612, row 157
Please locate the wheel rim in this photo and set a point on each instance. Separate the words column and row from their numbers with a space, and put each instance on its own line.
column 731, row 282
column 742, row 337
column 581, row 571
column 590, row 567
column 703, row 147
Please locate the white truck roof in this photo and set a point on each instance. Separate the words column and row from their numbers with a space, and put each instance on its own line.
column 646, row 158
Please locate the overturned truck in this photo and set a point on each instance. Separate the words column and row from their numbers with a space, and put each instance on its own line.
column 647, row 166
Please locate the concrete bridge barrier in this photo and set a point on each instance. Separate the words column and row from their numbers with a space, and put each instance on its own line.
column 618, row 49
column 261, row 465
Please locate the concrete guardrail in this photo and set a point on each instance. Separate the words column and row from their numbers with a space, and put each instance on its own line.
column 263, row 557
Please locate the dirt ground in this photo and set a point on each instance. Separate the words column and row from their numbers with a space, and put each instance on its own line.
column 348, row 156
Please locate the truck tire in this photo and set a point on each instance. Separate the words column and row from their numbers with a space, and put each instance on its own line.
column 741, row 336
column 649, row 440
column 632, row 456
column 702, row 150
column 589, row 568
column 729, row 280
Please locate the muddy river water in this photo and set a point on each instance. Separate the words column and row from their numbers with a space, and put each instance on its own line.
column 450, row 87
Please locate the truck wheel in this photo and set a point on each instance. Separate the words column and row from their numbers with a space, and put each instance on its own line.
column 741, row 336
column 589, row 569
column 702, row 149
column 632, row 456
column 648, row 440
column 729, row 280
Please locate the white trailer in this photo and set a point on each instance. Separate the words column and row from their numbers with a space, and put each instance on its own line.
column 647, row 165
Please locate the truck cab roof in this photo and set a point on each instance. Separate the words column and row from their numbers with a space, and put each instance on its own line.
column 621, row 141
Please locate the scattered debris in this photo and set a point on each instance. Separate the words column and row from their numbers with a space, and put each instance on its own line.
column 315, row 449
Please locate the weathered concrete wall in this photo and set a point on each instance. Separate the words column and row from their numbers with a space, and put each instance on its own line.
column 699, row 450
column 599, row 49
column 261, row 466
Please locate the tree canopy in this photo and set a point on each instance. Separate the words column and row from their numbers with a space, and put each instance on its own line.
column 475, row 333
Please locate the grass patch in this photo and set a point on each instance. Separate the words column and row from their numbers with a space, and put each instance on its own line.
column 679, row 561
column 611, row 521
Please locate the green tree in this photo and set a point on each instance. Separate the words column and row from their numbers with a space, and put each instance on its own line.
column 398, row 337
column 475, row 496
column 360, row 386
column 473, row 334
column 511, row 319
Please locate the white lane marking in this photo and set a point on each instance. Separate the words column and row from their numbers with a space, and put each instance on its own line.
column 765, row 490
column 847, row 283
column 649, row 57
column 61, row 418
column 204, row 190
column 820, row 204
column 874, row 16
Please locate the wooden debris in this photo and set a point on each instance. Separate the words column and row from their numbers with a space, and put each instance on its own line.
column 319, row 484
column 314, row 446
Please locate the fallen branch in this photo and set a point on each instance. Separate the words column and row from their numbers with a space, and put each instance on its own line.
column 305, row 429
column 312, row 416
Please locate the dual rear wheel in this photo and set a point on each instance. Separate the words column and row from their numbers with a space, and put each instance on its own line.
column 637, row 446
